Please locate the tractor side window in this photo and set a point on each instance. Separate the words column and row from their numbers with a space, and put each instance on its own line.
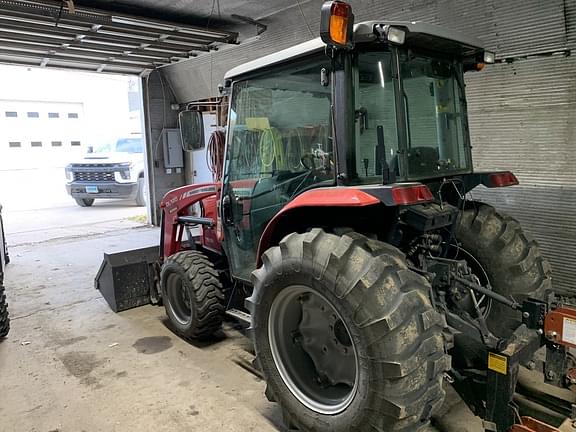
column 278, row 146
column 434, row 111
column 376, row 136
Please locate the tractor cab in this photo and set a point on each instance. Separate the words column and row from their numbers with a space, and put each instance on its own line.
column 383, row 105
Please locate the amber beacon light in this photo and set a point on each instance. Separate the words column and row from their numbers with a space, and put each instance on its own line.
column 336, row 23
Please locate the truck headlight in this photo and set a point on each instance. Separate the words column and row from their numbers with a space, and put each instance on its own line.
column 124, row 173
column 68, row 172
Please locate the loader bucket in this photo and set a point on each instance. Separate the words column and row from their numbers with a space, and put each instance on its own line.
column 125, row 279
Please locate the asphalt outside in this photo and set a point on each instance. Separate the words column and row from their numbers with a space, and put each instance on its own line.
column 70, row 364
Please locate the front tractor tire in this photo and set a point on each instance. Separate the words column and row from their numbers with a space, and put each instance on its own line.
column 192, row 295
column 512, row 262
column 346, row 336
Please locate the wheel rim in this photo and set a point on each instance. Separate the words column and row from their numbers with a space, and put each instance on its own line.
column 313, row 350
column 178, row 299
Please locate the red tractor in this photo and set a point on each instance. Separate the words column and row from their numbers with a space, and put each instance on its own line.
column 342, row 221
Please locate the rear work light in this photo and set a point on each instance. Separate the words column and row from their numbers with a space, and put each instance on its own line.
column 502, row 179
column 411, row 194
column 489, row 57
column 336, row 23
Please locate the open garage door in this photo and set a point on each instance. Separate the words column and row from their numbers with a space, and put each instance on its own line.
column 59, row 34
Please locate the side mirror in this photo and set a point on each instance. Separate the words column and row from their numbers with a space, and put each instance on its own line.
column 192, row 130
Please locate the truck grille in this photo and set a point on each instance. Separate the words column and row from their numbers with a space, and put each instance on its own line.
column 93, row 176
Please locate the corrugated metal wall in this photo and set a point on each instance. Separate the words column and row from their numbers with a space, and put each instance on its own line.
column 522, row 111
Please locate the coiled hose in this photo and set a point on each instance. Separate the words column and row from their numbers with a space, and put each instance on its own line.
column 215, row 155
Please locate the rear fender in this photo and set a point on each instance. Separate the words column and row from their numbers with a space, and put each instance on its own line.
column 335, row 197
column 339, row 199
column 491, row 179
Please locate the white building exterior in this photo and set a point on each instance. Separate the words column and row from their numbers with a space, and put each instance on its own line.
column 50, row 117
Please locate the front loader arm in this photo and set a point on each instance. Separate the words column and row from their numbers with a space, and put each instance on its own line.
column 176, row 214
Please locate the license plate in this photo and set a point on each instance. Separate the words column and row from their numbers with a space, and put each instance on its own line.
column 91, row 189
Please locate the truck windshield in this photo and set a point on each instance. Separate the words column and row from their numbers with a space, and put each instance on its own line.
column 123, row 145
column 431, row 98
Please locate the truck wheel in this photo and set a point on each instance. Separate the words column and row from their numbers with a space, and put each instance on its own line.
column 84, row 202
column 511, row 261
column 4, row 318
column 141, row 195
column 346, row 336
column 192, row 294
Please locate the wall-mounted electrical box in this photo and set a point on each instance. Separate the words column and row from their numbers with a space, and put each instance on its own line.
column 172, row 145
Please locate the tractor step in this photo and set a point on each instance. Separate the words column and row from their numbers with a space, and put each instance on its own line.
column 239, row 315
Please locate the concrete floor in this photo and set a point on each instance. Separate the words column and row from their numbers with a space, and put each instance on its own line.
column 70, row 364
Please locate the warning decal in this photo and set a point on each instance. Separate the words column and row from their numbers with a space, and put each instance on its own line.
column 569, row 330
column 498, row 363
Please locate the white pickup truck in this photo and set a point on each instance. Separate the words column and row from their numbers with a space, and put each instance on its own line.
column 114, row 170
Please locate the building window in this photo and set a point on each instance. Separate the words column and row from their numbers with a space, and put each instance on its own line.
column 32, row 114
column 56, row 143
column 72, row 115
column 11, row 114
column 74, row 143
column 53, row 115
column 14, row 144
column 36, row 143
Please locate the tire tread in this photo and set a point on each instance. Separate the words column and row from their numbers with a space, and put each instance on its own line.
column 207, row 289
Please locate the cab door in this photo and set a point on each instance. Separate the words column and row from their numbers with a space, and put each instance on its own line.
column 278, row 127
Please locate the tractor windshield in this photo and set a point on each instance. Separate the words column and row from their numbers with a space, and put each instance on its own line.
column 430, row 97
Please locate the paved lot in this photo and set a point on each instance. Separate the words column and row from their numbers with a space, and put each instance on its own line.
column 71, row 364
column 37, row 208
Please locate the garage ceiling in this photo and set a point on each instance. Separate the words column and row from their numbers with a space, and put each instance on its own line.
column 64, row 35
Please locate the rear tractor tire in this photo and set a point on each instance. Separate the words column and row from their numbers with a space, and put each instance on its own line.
column 84, row 202
column 512, row 262
column 346, row 336
column 4, row 318
column 192, row 295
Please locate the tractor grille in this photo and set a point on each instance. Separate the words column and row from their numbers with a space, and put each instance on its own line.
column 93, row 176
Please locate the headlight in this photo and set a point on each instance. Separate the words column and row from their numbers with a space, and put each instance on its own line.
column 396, row 35
column 489, row 57
column 124, row 173
column 68, row 172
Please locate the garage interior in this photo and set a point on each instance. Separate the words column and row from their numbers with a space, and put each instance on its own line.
column 71, row 364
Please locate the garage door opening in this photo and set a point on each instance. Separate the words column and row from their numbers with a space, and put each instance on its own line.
column 71, row 152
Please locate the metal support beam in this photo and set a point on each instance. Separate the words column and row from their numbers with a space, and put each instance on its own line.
column 96, row 40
